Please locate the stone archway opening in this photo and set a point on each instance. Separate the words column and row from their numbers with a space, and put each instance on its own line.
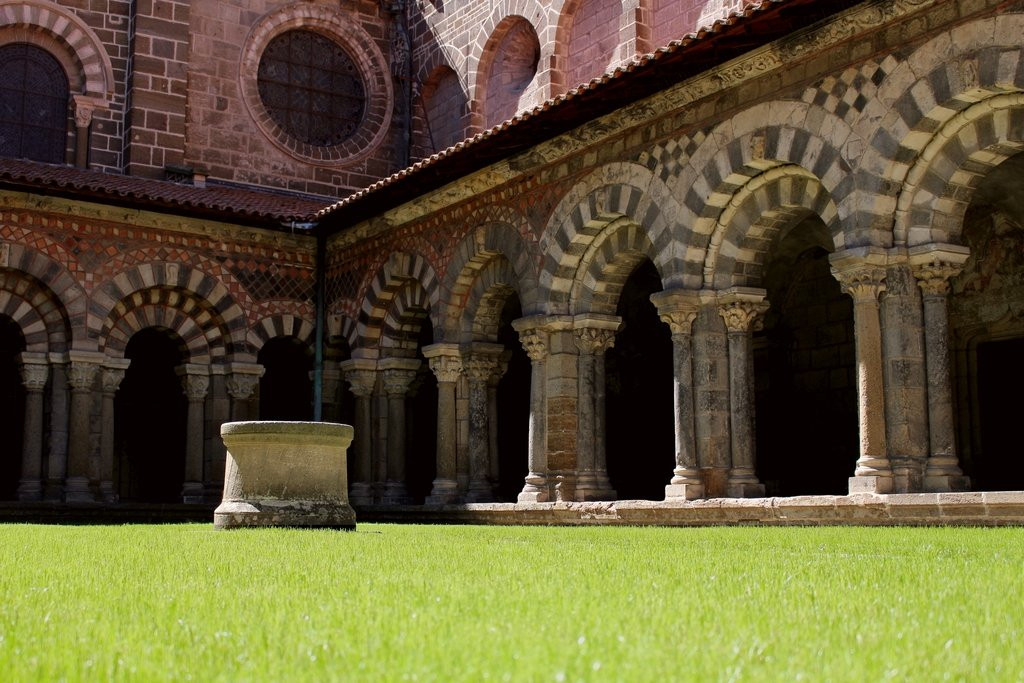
column 804, row 369
column 150, row 413
column 421, row 430
column 12, row 398
column 640, row 426
column 510, row 439
column 286, row 389
column 986, row 319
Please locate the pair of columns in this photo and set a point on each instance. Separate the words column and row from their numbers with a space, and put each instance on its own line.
column 72, row 471
column 863, row 273
column 466, row 467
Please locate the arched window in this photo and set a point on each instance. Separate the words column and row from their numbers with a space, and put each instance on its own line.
column 33, row 104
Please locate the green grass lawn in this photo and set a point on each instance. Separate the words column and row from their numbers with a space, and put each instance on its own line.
column 497, row 603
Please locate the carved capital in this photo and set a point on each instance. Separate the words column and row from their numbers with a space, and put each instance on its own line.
column 934, row 265
column 535, row 343
column 480, row 368
column 679, row 322
column 396, row 381
column 85, row 106
column 241, row 385
column 111, row 379
column 863, row 284
column 742, row 316
column 82, row 375
column 361, row 382
column 34, row 374
column 677, row 308
column 500, row 368
column 593, row 340
column 446, row 368
column 195, row 386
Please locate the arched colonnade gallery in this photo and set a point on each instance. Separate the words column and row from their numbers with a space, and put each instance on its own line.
column 774, row 288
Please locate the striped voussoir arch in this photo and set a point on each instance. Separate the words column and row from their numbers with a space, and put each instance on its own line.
column 33, row 308
column 939, row 186
column 615, row 191
column 173, row 277
column 473, row 254
column 59, row 285
column 400, row 268
column 961, row 67
column 401, row 328
column 66, row 26
column 492, row 287
column 745, row 230
column 281, row 325
column 608, row 262
column 204, row 335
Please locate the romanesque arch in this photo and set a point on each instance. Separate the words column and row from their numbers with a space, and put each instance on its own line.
column 35, row 311
column 506, row 71
column 590, row 207
column 399, row 269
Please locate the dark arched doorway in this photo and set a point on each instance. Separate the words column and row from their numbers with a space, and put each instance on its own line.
column 12, row 398
column 150, row 420
column 805, row 377
column 513, row 408
column 286, row 390
column 421, row 423
column 640, row 423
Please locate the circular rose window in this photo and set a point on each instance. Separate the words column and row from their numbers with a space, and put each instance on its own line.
column 311, row 88
column 316, row 84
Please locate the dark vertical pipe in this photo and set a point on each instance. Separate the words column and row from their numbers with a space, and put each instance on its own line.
column 321, row 294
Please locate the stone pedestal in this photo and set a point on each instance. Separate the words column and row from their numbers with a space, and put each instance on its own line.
column 285, row 474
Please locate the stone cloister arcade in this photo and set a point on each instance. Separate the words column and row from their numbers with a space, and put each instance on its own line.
column 765, row 290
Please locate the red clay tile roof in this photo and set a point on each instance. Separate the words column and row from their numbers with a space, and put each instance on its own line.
column 742, row 31
column 265, row 208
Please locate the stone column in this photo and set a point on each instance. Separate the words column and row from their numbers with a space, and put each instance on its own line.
column 446, row 364
column 330, row 397
column 81, row 377
column 398, row 374
column 861, row 273
column 361, row 375
column 85, row 106
column 480, row 363
column 741, row 308
column 241, row 382
column 678, row 309
column 594, row 335
column 934, row 266
column 494, row 468
column 35, row 370
column 195, row 381
column 57, row 462
column 535, row 342
column 110, row 380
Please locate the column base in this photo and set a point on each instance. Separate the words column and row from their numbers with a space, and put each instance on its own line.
column 744, row 490
column 192, row 493
column 870, row 484
column 76, row 490
column 944, row 483
column 684, row 491
column 535, row 490
column 30, row 490
column 443, row 492
column 594, row 486
column 360, row 493
column 108, row 494
column 395, row 493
